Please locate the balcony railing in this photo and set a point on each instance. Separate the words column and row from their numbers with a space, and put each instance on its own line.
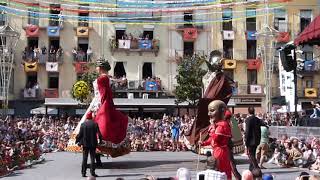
column 247, row 89
column 42, row 55
column 51, row 93
column 135, row 45
column 31, row 93
column 310, row 67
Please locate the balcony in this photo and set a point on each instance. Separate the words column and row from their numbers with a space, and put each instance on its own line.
column 81, row 56
column 42, row 56
column 246, row 89
column 310, row 68
column 149, row 88
column 134, row 45
column 51, row 93
column 31, row 94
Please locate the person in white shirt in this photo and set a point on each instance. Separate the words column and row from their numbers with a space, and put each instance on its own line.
column 89, row 54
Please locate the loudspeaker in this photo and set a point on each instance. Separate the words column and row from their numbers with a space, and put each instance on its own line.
column 287, row 58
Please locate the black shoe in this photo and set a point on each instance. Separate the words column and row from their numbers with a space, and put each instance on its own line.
column 84, row 175
column 99, row 164
column 95, row 175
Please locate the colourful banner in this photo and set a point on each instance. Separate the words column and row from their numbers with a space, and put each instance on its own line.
column 190, row 34
column 145, row 44
column 253, row 64
column 32, row 31
column 31, row 67
column 83, row 32
column 229, row 64
column 53, row 31
column 251, row 35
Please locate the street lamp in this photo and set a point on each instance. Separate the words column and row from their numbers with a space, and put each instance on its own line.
column 8, row 41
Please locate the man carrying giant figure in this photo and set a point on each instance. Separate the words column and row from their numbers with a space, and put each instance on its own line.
column 217, row 86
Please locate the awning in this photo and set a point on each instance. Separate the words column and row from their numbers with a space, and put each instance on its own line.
column 311, row 34
column 42, row 110
column 60, row 102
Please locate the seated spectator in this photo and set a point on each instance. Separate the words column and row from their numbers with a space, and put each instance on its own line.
column 211, row 173
column 316, row 165
column 295, row 155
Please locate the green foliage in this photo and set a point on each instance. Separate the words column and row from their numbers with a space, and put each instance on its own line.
column 189, row 79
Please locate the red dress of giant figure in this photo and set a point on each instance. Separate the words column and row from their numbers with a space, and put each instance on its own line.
column 112, row 123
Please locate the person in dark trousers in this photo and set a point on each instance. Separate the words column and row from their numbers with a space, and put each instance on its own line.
column 87, row 138
column 252, row 137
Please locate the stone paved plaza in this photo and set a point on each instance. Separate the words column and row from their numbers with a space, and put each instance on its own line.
column 66, row 166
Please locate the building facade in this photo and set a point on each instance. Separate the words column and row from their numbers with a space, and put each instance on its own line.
column 52, row 53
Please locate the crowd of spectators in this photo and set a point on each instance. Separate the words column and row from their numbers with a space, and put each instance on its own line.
column 24, row 140
column 166, row 134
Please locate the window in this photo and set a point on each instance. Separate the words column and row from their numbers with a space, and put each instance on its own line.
column 120, row 34
column 53, row 80
column 307, row 52
column 188, row 17
column 309, row 83
column 83, row 45
column 305, row 19
column 54, row 14
column 229, row 73
column 251, row 49
column 147, row 70
column 227, row 19
column 3, row 15
column 119, row 70
column 54, row 42
column 148, row 35
column 251, row 20
column 280, row 22
column 32, row 80
column 33, row 15
column 33, row 42
column 228, row 49
column 188, row 48
column 83, row 15
column 252, row 76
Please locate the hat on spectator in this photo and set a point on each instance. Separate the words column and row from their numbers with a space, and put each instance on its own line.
column 183, row 174
column 89, row 115
column 267, row 177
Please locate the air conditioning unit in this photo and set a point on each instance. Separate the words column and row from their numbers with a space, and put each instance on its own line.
column 133, row 84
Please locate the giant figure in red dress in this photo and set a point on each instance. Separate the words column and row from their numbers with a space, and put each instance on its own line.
column 112, row 123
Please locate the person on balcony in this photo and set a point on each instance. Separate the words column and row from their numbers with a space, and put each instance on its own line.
column 59, row 53
column 89, row 54
column 316, row 111
column 52, row 53
column 74, row 54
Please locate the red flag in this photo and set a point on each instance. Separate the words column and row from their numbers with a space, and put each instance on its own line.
column 190, row 33
column 283, row 37
column 254, row 64
column 32, row 31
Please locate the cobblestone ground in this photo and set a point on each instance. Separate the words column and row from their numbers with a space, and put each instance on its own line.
column 66, row 166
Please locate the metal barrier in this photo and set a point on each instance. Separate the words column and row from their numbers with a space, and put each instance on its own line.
column 294, row 131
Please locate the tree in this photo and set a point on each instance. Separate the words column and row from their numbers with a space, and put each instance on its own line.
column 189, row 79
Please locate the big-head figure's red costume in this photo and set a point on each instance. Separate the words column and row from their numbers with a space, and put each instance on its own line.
column 219, row 136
